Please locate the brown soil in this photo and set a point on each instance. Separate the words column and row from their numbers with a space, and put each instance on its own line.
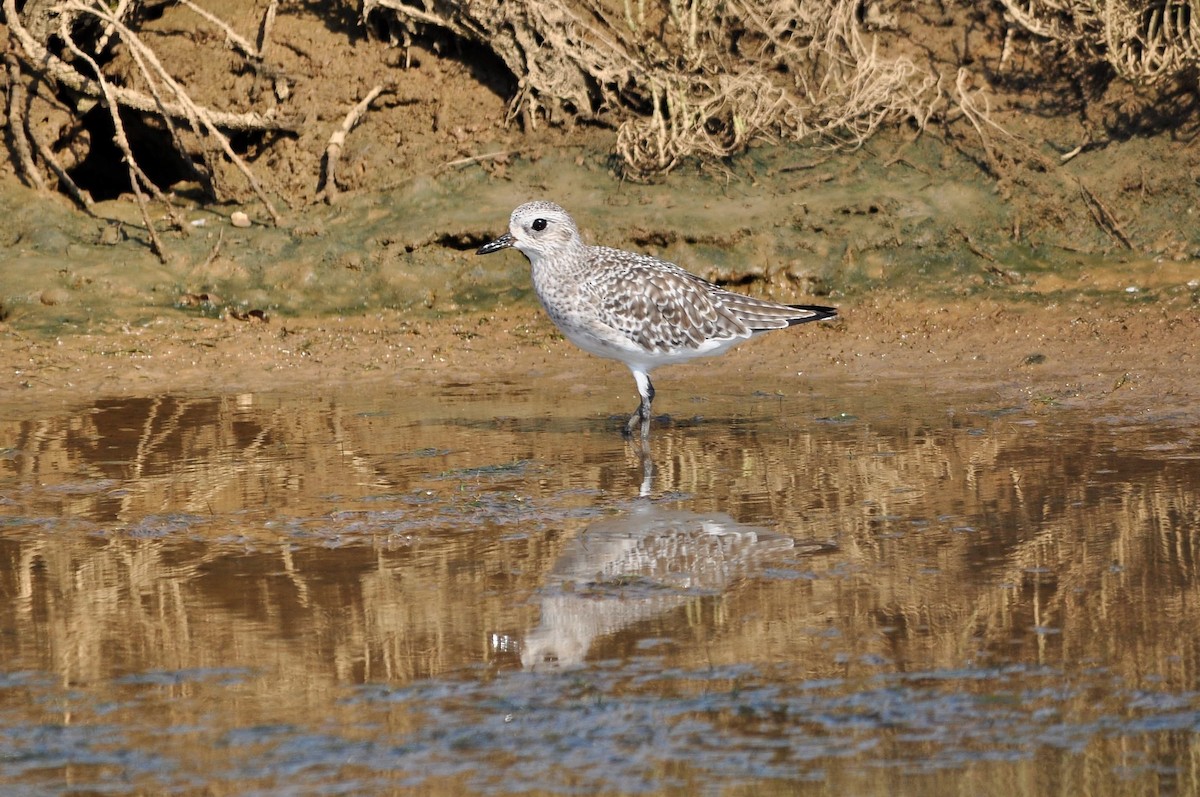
column 1131, row 361
column 1047, row 278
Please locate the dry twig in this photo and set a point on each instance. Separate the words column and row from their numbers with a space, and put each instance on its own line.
column 166, row 98
column 1103, row 217
column 137, row 178
column 215, row 251
column 264, row 30
column 971, row 245
column 329, row 190
column 498, row 155
column 235, row 40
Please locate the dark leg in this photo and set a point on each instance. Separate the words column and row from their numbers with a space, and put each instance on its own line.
column 642, row 414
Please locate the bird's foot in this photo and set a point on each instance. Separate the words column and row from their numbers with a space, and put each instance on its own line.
column 633, row 423
column 640, row 420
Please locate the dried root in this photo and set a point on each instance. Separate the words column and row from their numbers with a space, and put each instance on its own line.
column 333, row 150
column 76, row 66
column 1144, row 41
column 683, row 78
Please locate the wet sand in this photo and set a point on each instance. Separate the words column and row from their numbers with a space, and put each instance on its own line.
column 1122, row 356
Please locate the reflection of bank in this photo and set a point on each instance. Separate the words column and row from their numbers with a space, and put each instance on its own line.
column 639, row 565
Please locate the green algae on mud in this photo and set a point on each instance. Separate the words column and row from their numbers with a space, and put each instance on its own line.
column 782, row 221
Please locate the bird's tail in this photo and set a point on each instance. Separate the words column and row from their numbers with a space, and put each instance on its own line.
column 811, row 312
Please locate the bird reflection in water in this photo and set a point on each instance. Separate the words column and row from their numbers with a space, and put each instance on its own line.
column 639, row 565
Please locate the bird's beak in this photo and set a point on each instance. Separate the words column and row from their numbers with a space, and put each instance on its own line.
column 503, row 242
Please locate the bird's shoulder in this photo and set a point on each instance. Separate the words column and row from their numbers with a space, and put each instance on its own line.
column 657, row 304
column 619, row 270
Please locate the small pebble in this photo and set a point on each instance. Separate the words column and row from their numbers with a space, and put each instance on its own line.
column 53, row 296
column 239, row 219
column 112, row 235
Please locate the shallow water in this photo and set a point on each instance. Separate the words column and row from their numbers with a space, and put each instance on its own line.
column 463, row 588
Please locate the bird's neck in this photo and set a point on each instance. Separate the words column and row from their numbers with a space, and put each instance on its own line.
column 568, row 264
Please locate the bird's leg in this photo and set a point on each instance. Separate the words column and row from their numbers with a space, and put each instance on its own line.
column 648, row 471
column 635, row 420
column 642, row 414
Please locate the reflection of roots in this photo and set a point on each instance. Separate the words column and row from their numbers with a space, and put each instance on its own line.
column 691, row 77
column 163, row 96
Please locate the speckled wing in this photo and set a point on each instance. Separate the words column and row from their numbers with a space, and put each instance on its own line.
column 760, row 315
column 662, row 308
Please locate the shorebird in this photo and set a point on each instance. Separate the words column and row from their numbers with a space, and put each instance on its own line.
column 635, row 308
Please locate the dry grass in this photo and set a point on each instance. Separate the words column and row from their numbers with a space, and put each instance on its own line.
column 698, row 78
column 1144, row 41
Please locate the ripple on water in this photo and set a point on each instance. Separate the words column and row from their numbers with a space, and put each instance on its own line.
column 855, row 591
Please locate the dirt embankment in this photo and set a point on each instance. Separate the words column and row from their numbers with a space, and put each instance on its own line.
column 288, row 106
column 1050, row 255
column 1132, row 360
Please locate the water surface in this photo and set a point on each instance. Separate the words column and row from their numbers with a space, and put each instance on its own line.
column 483, row 588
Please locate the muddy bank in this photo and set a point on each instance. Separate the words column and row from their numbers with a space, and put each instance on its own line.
column 938, row 276
column 1131, row 358
column 786, row 222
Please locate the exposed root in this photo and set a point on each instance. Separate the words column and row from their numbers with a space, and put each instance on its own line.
column 23, row 134
column 17, row 103
column 676, row 79
column 137, row 178
column 163, row 97
column 1144, row 41
column 685, row 78
column 499, row 155
column 36, row 59
column 975, row 107
column 329, row 189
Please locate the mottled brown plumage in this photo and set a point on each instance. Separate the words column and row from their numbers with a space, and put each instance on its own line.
column 635, row 308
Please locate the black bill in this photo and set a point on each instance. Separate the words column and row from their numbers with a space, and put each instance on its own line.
column 503, row 242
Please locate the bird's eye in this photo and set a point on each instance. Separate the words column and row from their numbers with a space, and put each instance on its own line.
column 538, row 225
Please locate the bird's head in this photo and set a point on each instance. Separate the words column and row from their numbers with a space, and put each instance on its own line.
column 538, row 229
